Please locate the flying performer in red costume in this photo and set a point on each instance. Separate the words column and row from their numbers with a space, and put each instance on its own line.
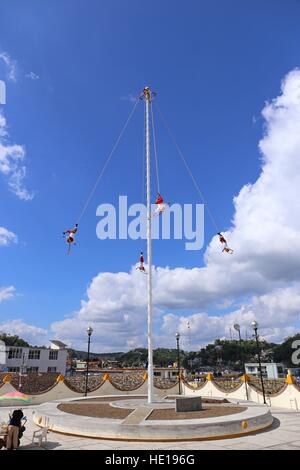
column 69, row 235
column 226, row 248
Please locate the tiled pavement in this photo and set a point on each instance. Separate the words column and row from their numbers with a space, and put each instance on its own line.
column 283, row 434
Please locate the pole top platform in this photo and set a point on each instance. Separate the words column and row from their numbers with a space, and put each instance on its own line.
column 147, row 94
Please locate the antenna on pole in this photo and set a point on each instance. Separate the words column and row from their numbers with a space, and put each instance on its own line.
column 237, row 327
column 147, row 96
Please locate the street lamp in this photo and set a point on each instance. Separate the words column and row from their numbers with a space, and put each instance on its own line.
column 22, row 370
column 177, row 336
column 237, row 327
column 89, row 331
column 254, row 325
column 219, row 348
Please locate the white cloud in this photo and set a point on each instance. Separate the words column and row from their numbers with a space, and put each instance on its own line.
column 275, row 312
column 32, row 76
column 30, row 333
column 7, row 293
column 7, row 237
column 11, row 66
column 12, row 157
column 115, row 308
column 3, row 130
column 263, row 274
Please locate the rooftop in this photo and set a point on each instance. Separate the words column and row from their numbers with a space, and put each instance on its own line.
column 58, row 343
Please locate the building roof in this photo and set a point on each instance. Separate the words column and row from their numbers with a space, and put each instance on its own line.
column 58, row 343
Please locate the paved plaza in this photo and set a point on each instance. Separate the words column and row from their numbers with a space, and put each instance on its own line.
column 284, row 434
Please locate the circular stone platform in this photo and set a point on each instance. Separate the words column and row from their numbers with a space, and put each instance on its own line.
column 125, row 418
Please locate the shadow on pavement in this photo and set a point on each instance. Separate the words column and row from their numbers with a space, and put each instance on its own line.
column 46, row 446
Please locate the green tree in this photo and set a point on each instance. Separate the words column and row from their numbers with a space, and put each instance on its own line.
column 13, row 340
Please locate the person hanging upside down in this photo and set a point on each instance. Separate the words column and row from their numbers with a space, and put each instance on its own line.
column 160, row 205
column 147, row 94
column 141, row 266
column 222, row 239
column 70, row 236
column 159, row 199
column 226, row 249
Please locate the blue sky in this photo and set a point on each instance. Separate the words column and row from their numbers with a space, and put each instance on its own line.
column 214, row 65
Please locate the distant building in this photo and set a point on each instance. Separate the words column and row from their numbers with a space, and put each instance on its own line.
column 55, row 344
column 167, row 372
column 79, row 365
column 270, row 370
column 32, row 359
column 295, row 371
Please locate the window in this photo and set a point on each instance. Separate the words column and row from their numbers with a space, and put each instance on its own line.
column 53, row 354
column 14, row 369
column 15, row 353
column 34, row 354
column 51, row 369
column 32, row 369
column 157, row 374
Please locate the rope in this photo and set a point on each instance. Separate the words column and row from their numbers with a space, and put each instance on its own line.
column 155, row 152
column 143, row 176
column 99, row 177
column 213, row 220
column 144, row 162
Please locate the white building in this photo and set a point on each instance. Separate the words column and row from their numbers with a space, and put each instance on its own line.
column 26, row 359
column 167, row 372
column 270, row 370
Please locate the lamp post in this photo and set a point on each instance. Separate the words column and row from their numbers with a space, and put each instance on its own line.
column 219, row 348
column 177, row 336
column 22, row 371
column 89, row 331
column 255, row 326
column 237, row 327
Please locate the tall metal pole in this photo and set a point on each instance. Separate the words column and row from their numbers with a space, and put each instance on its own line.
column 147, row 99
column 237, row 327
column 89, row 332
column 254, row 325
column 22, row 370
column 259, row 362
column 178, row 361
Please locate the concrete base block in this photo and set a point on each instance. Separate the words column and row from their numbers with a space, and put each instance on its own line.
column 188, row 404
